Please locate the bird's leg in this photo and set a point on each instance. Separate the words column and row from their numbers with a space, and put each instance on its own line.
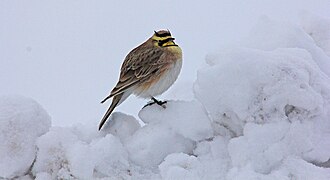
column 155, row 101
column 160, row 103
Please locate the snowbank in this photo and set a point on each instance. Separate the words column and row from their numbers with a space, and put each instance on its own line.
column 260, row 112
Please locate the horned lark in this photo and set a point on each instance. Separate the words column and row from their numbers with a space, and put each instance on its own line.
column 147, row 71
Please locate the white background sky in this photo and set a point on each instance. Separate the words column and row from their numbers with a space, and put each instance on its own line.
column 66, row 54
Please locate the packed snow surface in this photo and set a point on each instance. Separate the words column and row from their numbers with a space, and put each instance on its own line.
column 260, row 111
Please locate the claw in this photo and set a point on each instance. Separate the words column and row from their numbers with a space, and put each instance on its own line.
column 155, row 101
column 160, row 103
column 149, row 104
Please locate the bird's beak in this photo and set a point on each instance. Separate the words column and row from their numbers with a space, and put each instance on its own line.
column 172, row 40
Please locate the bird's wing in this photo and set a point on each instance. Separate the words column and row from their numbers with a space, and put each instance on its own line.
column 139, row 65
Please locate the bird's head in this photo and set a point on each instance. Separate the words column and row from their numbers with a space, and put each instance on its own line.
column 163, row 38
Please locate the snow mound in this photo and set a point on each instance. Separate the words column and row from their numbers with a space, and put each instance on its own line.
column 64, row 154
column 188, row 119
column 22, row 121
column 273, row 103
column 261, row 87
column 270, row 35
column 210, row 160
column 150, row 145
column 121, row 125
column 318, row 28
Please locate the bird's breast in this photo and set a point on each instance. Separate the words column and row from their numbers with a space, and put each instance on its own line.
column 161, row 83
column 176, row 51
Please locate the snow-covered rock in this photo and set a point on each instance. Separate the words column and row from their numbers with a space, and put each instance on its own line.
column 22, row 121
column 52, row 155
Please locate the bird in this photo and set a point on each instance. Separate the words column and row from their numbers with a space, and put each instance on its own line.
column 147, row 71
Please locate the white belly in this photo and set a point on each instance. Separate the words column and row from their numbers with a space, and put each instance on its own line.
column 163, row 83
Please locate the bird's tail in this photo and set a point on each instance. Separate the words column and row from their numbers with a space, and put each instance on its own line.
column 115, row 102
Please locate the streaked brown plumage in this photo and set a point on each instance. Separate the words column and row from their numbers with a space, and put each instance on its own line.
column 147, row 71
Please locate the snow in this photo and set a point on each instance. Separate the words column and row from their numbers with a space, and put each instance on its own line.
column 150, row 145
column 121, row 125
column 22, row 121
column 318, row 28
column 270, row 35
column 258, row 111
column 180, row 116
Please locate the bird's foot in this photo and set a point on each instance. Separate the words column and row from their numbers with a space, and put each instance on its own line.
column 155, row 101
column 160, row 103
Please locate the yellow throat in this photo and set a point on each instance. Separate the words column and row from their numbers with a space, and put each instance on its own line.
column 164, row 39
